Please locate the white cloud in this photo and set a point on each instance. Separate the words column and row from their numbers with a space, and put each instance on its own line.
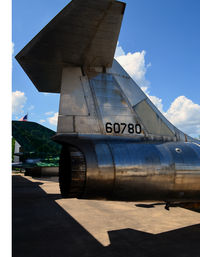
column 134, row 64
column 155, row 100
column 18, row 102
column 185, row 114
column 49, row 113
column 53, row 120
column 119, row 51
column 13, row 48
column 42, row 121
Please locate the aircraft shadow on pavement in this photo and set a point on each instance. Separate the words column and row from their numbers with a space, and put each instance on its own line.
column 151, row 205
column 42, row 228
column 189, row 206
column 46, row 178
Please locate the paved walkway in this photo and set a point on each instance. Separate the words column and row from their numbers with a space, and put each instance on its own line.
column 46, row 225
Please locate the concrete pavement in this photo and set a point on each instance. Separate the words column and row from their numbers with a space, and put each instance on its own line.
column 46, row 225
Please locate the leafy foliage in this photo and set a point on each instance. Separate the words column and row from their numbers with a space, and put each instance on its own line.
column 35, row 140
column 13, row 148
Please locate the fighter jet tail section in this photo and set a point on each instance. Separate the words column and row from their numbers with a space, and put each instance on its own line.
column 115, row 142
column 108, row 102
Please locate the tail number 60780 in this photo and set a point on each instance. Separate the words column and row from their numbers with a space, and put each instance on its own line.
column 120, row 128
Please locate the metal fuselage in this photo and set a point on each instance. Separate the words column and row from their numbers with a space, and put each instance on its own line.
column 129, row 170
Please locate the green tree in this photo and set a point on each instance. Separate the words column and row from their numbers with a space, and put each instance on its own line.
column 13, row 148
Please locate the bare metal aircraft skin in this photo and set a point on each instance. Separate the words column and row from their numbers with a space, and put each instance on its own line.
column 115, row 143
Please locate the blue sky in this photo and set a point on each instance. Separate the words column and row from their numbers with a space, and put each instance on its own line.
column 163, row 36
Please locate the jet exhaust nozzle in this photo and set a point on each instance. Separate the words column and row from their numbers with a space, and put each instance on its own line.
column 131, row 171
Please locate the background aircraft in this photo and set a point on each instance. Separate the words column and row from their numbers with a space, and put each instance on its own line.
column 38, row 154
column 115, row 143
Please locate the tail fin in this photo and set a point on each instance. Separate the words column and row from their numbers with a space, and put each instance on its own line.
column 111, row 103
column 35, row 138
column 154, row 124
column 73, row 55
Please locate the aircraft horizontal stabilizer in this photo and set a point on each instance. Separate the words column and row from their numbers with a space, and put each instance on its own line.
column 83, row 34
